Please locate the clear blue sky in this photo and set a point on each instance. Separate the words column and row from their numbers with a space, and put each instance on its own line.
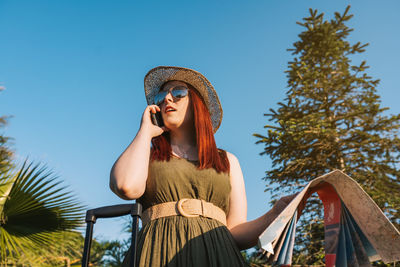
column 73, row 72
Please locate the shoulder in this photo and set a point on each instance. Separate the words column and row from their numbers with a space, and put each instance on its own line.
column 233, row 160
column 231, row 156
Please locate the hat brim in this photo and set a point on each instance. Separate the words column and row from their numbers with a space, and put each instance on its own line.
column 156, row 77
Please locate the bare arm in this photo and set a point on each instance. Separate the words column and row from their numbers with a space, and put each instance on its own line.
column 246, row 233
column 129, row 173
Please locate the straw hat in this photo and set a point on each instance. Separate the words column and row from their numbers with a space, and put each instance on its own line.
column 156, row 77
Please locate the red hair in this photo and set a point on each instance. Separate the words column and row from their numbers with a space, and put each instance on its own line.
column 209, row 155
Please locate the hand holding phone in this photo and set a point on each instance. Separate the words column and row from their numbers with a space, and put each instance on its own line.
column 150, row 124
column 157, row 119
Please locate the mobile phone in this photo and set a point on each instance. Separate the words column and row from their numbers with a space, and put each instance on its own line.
column 157, row 119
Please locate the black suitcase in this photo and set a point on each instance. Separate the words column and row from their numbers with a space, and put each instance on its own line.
column 135, row 210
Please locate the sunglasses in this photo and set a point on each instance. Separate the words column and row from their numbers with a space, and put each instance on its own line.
column 176, row 92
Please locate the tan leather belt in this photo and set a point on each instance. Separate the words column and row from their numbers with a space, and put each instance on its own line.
column 186, row 207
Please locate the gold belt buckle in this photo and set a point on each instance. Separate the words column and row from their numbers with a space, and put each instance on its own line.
column 180, row 209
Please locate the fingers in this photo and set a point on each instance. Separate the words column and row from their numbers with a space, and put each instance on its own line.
column 147, row 125
column 289, row 198
column 146, row 117
column 154, row 108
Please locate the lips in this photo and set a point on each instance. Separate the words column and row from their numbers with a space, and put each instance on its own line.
column 169, row 109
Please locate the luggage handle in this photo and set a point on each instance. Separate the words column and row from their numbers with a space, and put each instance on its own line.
column 135, row 210
column 113, row 211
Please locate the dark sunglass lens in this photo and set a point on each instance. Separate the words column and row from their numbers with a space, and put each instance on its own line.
column 159, row 97
column 179, row 92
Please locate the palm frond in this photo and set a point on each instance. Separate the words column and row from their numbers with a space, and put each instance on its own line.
column 34, row 208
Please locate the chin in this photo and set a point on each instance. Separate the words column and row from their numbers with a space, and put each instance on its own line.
column 172, row 125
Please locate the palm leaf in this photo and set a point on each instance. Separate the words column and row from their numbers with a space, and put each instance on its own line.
column 34, row 209
column 67, row 245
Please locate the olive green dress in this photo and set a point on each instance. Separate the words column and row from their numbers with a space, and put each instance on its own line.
column 177, row 241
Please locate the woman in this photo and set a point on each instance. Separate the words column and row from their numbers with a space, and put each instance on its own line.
column 193, row 194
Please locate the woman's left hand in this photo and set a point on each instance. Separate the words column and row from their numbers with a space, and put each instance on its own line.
column 282, row 203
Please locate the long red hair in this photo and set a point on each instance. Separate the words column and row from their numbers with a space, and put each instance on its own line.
column 209, row 155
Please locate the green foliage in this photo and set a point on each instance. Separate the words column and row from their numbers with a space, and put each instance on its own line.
column 331, row 119
column 311, row 236
column 6, row 153
column 35, row 211
column 254, row 258
column 115, row 252
column 66, row 250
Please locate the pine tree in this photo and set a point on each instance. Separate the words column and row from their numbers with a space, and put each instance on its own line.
column 331, row 119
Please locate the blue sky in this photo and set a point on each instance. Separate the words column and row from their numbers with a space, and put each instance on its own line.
column 73, row 72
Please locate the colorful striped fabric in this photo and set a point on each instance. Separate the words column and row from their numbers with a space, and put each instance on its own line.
column 356, row 230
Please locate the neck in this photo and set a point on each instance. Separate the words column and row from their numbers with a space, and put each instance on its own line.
column 183, row 143
column 183, row 139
